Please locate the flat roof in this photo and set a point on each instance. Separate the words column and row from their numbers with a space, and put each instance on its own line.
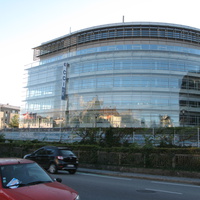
column 9, row 106
column 123, row 24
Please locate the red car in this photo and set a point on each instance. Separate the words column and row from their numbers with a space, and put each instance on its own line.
column 22, row 179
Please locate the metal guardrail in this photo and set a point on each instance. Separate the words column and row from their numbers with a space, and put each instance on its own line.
column 47, row 135
column 35, row 129
column 188, row 138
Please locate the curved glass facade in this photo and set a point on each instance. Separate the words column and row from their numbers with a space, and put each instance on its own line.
column 120, row 75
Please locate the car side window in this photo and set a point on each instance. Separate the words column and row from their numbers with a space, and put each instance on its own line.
column 50, row 151
column 41, row 152
column 67, row 153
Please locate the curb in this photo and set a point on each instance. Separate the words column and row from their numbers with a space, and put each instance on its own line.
column 194, row 181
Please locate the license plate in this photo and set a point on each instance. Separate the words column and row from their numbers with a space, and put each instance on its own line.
column 70, row 165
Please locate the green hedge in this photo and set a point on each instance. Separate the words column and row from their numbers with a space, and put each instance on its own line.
column 160, row 158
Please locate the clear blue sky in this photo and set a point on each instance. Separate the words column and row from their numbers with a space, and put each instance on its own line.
column 25, row 24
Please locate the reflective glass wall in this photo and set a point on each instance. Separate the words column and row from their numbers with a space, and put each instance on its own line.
column 132, row 88
column 118, row 76
column 43, row 107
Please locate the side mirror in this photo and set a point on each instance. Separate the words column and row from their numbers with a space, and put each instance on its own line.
column 58, row 180
column 26, row 156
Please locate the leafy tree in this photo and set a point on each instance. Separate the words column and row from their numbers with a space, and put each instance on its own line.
column 112, row 137
column 88, row 135
column 2, row 139
column 14, row 122
column 148, row 142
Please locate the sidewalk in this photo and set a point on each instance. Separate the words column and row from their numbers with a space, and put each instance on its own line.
column 195, row 181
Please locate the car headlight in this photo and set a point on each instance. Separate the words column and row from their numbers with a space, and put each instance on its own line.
column 77, row 198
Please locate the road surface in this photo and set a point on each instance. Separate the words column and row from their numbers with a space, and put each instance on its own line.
column 98, row 187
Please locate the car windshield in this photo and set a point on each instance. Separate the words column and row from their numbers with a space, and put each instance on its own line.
column 14, row 176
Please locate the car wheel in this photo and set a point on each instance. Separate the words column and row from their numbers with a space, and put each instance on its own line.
column 52, row 168
column 72, row 171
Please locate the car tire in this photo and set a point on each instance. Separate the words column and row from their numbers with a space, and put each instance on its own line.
column 72, row 171
column 52, row 168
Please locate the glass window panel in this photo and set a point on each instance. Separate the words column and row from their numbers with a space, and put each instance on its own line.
column 145, row 46
column 128, row 32
column 153, row 33
column 119, row 47
column 126, row 64
column 162, row 33
column 173, row 83
column 136, row 32
column 153, row 47
column 117, row 82
column 169, row 34
column 145, row 32
column 136, row 47
column 120, row 33
column 118, row 65
column 112, row 33
column 105, row 35
column 129, row 47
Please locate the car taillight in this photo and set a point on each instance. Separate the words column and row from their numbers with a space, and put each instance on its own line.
column 59, row 157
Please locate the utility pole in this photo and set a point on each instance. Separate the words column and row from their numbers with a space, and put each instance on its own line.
column 198, row 138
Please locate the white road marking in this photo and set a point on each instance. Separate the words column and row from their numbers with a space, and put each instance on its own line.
column 165, row 191
column 177, row 184
column 111, row 177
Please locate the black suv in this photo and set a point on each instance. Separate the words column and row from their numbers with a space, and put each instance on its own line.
column 54, row 158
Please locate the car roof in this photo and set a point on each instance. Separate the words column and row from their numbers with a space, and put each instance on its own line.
column 55, row 147
column 11, row 161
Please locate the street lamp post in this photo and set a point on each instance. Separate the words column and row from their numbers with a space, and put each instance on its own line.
column 198, row 138
column 39, row 121
column 183, row 114
column 2, row 123
column 95, row 122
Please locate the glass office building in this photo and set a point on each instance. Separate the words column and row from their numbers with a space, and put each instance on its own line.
column 120, row 75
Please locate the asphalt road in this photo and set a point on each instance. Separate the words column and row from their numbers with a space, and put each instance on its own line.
column 97, row 187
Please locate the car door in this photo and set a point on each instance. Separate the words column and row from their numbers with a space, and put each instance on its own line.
column 41, row 157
